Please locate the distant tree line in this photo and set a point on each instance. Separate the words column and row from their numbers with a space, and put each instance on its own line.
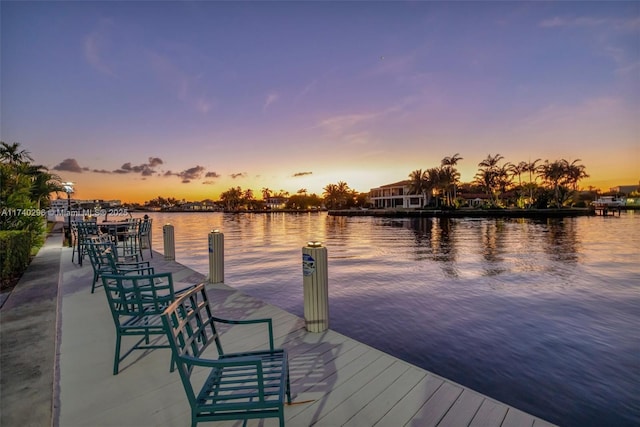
column 533, row 184
column 525, row 184
column 335, row 196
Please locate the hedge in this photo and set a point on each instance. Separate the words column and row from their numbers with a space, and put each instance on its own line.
column 15, row 249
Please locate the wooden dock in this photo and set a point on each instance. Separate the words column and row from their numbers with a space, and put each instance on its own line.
column 607, row 210
column 335, row 380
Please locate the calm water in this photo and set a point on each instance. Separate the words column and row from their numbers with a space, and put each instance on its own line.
column 541, row 314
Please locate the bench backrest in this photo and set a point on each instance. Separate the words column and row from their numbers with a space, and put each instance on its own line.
column 145, row 227
column 100, row 254
column 87, row 228
column 138, row 295
column 190, row 327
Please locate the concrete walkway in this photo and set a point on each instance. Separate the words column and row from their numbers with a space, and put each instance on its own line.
column 28, row 320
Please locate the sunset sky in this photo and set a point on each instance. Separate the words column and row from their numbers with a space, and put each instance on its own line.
column 134, row 100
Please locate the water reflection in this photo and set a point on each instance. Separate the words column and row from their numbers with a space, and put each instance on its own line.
column 562, row 240
column 504, row 244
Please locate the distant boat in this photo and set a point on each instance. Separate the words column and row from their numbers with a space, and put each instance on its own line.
column 608, row 202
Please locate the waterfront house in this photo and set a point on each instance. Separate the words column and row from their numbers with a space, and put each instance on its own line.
column 395, row 195
column 398, row 196
column 276, row 202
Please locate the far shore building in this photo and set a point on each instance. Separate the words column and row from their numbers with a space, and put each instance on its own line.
column 276, row 202
column 62, row 204
column 398, row 196
column 625, row 189
column 395, row 196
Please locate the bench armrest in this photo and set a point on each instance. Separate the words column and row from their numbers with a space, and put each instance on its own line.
column 133, row 268
column 223, row 361
column 249, row 322
column 133, row 265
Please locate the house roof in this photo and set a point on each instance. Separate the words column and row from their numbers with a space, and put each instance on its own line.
column 397, row 184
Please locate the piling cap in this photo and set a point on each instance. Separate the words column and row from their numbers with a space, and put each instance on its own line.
column 314, row 244
column 215, row 231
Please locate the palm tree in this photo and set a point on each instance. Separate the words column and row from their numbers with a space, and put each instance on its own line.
column 504, row 178
column 533, row 169
column 17, row 178
column 517, row 171
column 419, row 184
column 451, row 177
column 553, row 173
column 266, row 193
column 451, row 161
column 434, row 183
column 344, row 193
column 488, row 176
column 232, row 198
column 282, row 194
column 491, row 162
column 575, row 172
column 12, row 154
column 338, row 195
column 331, row 196
column 43, row 184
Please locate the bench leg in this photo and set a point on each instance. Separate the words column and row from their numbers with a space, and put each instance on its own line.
column 116, row 361
column 95, row 279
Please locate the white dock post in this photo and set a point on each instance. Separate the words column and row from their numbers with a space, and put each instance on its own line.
column 216, row 257
column 169, row 242
column 316, row 287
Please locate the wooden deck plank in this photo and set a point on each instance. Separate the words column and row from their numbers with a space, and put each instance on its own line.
column 541, row 423
column 463, row 410
column 517, row 418
column 381, row 404
column 351, row 406
column 436, row 406
column 490, row 414
column 411, row 403
column 316, row 366
column 316, row 385
column 340, row 392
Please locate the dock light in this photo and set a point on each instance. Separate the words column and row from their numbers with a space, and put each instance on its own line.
column 215, row 230
column 314, row 244
column 68, row 188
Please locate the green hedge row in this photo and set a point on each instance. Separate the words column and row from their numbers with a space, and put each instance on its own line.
column 15, row 249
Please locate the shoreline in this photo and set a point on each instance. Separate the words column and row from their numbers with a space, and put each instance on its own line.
column 418, row 213
column 467, row 213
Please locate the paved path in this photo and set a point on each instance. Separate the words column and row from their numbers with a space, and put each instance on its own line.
column 28, row 341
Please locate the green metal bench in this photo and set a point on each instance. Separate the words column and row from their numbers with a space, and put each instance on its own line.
column 238, row 385
column 137, row 303
column 104, row 260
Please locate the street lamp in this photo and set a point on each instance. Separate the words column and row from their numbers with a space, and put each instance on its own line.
column 68, row 188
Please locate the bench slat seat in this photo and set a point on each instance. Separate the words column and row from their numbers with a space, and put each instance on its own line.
column 243, row 385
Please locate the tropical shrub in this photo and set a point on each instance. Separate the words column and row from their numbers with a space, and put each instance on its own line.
column 15, row 249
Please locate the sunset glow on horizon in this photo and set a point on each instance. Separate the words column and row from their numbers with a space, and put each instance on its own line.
column 135, row 100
